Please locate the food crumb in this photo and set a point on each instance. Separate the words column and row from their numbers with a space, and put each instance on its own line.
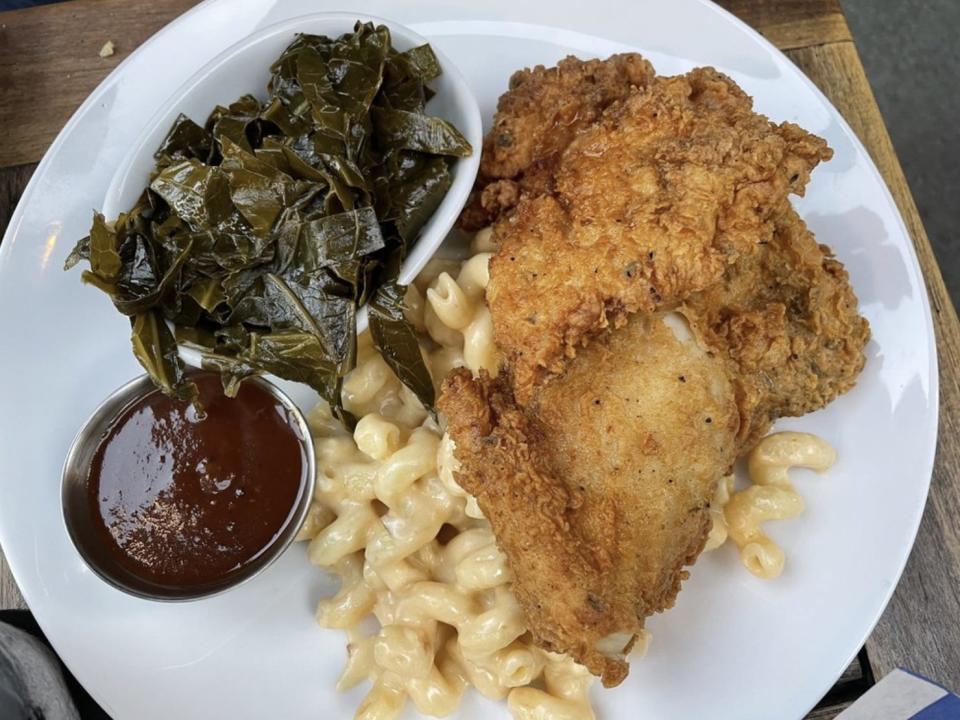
column 107, row 49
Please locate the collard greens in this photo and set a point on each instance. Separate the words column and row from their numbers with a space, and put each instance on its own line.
column 263, row 230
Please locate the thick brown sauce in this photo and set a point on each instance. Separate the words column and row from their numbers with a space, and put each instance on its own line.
column 184, row 502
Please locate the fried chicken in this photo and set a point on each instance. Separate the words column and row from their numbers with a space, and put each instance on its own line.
column 536, row 120
column 596, row 450
column 785, row 318
column 598, row 489
column 650, row 204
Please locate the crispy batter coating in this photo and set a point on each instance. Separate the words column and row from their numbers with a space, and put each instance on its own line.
column 786, row 319
column 598, row 490
column 537, row 118
column 597, row 449
column 650, row 205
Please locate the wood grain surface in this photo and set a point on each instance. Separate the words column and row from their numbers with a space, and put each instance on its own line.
column 10, row 598
column 49, row 59
column 13, row 180
column 791, row 24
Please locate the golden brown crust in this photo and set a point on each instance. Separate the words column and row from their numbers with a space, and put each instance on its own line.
column 596, row 451
column 598, row 491
column 531, row 513
column 649, row 205
column 786, row 319
column 537, row 118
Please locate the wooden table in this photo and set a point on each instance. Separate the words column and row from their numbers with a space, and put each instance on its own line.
column 49, row 59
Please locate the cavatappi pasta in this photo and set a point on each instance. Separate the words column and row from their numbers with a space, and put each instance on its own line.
column 452, row 314
column 718, row 530
column 770, row 496
column 412, row 548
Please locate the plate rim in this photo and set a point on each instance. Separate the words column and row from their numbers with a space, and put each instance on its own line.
column 912, row 265
column 932, row 346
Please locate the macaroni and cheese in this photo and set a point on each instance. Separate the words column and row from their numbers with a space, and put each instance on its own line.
column 413, row 549
column 770, row 496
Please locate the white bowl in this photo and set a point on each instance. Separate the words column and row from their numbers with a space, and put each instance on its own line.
column 244, row 68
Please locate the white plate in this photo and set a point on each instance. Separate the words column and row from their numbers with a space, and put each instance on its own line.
column 734, row 647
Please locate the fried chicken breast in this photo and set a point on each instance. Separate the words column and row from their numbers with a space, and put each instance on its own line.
column 658, row 304
column 649, row 205
column 598, row 489
column 537, row 118
column 786, row 320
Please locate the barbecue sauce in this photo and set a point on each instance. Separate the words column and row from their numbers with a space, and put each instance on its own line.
column 184, row 500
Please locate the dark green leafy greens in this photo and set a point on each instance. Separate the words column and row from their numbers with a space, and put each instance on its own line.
column 263, row 230
column 397, row 341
